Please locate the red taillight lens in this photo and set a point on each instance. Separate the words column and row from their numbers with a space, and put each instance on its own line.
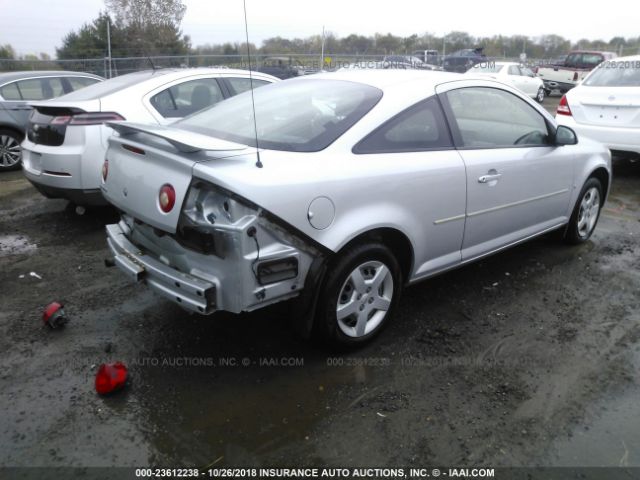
column 105, row 170
column 167, row 198
column 563, row 107
column 111, row 377
column 94, row 118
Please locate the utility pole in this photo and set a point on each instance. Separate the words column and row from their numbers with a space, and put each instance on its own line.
column 109, row 43
column 322, row 51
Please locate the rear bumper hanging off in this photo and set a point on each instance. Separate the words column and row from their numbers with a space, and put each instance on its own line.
column 189, row 292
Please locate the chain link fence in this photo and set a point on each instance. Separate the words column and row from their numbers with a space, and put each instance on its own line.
column 306, row 63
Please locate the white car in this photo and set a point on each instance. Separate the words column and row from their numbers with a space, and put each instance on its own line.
column 363, row 181
column 66, row 138
column 513, row 74
column 606, row 106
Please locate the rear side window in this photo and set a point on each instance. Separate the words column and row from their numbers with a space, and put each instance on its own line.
column 187, row 98
column 590, row 60
column 514, row 70
column 239, row 84
column 420, row 127
column 490, row 118
column 10, row 92
column 40, row 88
column 76, row 83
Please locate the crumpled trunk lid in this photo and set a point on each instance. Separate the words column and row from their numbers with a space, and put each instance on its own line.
column 144, row 158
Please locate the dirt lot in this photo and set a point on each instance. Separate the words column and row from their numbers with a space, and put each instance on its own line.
column 528, row 358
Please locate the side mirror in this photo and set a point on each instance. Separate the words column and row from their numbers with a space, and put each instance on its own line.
column 565, row 136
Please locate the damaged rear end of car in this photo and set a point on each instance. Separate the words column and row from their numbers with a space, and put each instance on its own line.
column 195, row 243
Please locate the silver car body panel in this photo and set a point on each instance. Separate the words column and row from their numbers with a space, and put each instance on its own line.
column 433, row 198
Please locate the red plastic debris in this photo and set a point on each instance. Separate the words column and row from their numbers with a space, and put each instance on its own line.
column 54, row 316
column 111, row 377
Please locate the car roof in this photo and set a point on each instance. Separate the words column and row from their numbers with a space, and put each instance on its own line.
column 21, row 75
column 388, row 78
column 630, row 58
column 145, row 79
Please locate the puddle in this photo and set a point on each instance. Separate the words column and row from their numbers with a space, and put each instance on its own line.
column 240, row 414
column 610, row 438
column 15, row 245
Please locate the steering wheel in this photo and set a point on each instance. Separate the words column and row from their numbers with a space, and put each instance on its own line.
column 525, row 139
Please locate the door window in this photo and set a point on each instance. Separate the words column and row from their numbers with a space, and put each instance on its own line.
column 421, row 127
column 187, row 98
column 76, row 83
column 239, row 84
column 514, row 70
column 490, row 118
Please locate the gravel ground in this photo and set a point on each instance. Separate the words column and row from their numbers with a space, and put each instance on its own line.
column 529, row 357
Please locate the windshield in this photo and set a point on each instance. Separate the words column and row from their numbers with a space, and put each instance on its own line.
column 615, row 74
column 296, row 115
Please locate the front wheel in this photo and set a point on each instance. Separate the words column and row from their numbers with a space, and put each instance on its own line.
column 359, row 295
column 540, row 95
column 586, row 213
column 10, row 150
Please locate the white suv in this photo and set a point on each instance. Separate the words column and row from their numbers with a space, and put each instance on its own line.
column 66, row 138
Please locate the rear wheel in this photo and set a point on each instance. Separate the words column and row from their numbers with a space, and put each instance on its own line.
column 586, row 213
column 540, row 95
column 10, row 150
column 358, row 296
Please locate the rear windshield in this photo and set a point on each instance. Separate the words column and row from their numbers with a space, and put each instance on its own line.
column 615, row 74
column 296, row 115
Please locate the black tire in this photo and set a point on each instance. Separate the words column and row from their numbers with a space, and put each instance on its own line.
column 540, row 95
column 10, row 150
column 327, row 327
column 577, row 230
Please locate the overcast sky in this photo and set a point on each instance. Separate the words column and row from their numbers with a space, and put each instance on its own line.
column 34, row 26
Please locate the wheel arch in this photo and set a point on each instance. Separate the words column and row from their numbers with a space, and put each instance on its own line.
column 603, row 175
column 13, row 128
column 397, row 241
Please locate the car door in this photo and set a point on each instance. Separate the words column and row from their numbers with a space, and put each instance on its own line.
column 14, row 108
column 516, row 79
column 184, row 97
column 532, row 84
column 518, row 184
column 17, row 94
column 424, row 181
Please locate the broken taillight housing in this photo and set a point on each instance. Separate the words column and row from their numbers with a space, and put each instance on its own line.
column 111, row 377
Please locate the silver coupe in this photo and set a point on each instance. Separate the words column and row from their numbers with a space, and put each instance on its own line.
column 343, row 189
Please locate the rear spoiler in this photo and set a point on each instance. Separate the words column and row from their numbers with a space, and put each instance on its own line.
column 183, row 140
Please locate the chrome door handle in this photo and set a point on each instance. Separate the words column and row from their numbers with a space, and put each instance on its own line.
column 489, row 178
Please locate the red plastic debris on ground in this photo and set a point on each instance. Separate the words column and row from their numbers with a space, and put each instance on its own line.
column 111, row 377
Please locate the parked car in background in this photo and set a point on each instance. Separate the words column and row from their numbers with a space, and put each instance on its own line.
column 431, row 57
column 463, row 60
column 575, row 67
column 281, row 67
column 606, row 106
column 66, row 139
column 370, row 180
column 18, row 88
column 512, row 73
column 405, row 62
